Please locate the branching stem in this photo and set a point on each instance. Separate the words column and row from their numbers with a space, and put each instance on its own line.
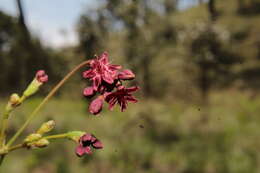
column 45, row 100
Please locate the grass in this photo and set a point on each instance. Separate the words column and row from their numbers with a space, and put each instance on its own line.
column 151, row 136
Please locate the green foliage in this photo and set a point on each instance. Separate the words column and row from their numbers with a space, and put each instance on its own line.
column 157, row 40
column 169, row 137
column 20, row 58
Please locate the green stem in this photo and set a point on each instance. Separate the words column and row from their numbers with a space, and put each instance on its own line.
column 2, row 159
column 3, row 125
column 4, row 120
column 45, row 100
column 64, row 135
column 15, row 147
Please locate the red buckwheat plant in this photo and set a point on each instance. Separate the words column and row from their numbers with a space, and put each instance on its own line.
column 107, row 83
column 106, row 86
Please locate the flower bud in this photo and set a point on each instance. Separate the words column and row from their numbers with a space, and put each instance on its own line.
column 13, row 102
column 75, row 135
column 34, row 86
column 126, row 75
column 14, row 99
column 41, row 143
column 32, row 137
column 41, row 76
column 96, row 105
column 89, row 92
column 46, row 127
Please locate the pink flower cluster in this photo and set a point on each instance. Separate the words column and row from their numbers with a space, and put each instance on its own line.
column 107, row 83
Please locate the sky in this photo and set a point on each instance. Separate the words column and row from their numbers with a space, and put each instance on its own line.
column 55, row 23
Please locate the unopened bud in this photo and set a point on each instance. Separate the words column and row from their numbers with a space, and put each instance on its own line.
column 46, row 127
column 14, row 99
column 41, row 143
column 40, row 78
column 13, row 102
column 32, row 137
column 89, row 92
column 96, row 105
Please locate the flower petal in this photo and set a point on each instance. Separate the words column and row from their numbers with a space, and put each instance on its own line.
column 123, row 105
column 112, row 103
column 104, row 58
column 88, row 74
column 131, row 99
column 96, row 82
column 97, row 145
column 88, row 150
column 86, row 137
column 126, row 75
column 114, row 67
column 132, row 89
column 93, row 138
column 80, row 151
column 108, row 78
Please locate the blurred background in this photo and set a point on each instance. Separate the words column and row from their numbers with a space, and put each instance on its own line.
column 197, row 63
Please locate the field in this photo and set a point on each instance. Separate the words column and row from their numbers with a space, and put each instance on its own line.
column 150, row 136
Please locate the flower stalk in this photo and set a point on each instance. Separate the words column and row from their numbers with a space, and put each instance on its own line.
column 3, row 125
column 13, row 102
column 23, row 145
column 45, row 100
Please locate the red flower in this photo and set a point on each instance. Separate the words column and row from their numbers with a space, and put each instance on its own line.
column 41, row 76
column 105, row 79
column 122, row 96
column 86, row 142
column 101, row 70
column 96, row 105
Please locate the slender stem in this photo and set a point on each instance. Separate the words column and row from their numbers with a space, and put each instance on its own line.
column 2, row 159
column 15, row 147
column 3, row 123
column 45, row 100
column 64, row 135
column 4, row 120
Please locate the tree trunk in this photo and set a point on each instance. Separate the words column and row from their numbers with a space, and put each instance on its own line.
column 22, row 19
column 29, row 60
column 170, row 5
column 212, row 10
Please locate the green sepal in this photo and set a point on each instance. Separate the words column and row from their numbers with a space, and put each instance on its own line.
column 32, row 88
column 75, row 135
column 32, row 137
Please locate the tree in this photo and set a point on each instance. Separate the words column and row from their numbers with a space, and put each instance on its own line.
column 139, row 19
column 92, row 33
column 212, row 10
